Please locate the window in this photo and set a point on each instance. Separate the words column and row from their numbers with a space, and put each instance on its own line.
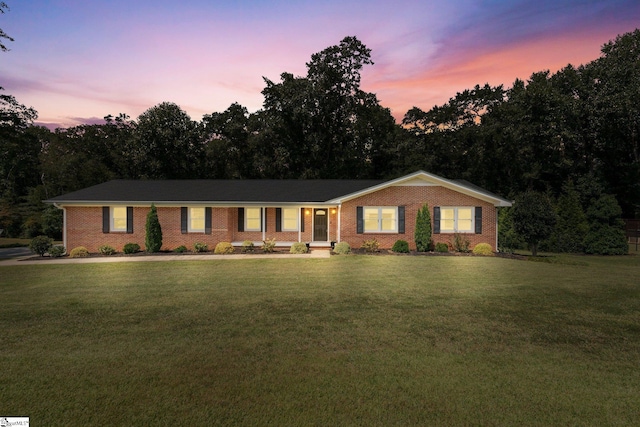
column 456, row 220
column 289, row 219
column 119, row 218
column 253, row 220
column 380, row 219
column 196, row 220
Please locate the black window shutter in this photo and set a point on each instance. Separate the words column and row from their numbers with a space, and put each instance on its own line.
column 436, row 220
column 105, row 219
column 401, row 219
column 265, row 219
column 183, row 220
column 302, row 219
column 359, row 220
column 278, row 219
column 478, row 219
column 129, row 219
column 240, row 219
column 207, row 220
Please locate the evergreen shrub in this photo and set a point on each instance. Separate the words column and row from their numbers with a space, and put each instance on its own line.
column 247, row 246
column 106, row 250
column 153, row 236
column 401, row 247
column 180, row 249
column 131, row 248
column 40, row 245
column 342, row 248
column 422, row 234
column 269, row 245
column 298, row 248
column 56, row 251
column 442, row 247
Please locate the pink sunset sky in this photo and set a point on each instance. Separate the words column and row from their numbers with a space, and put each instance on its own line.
column 76, row 61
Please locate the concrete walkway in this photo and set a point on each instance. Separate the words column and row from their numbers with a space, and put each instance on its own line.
column 27, row 260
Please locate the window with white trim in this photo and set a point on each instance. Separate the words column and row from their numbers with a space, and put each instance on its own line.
column 457, row 220
column 118, row 218
column 290, row 219
column 380, row 219
column 252, row 219
column 196, row 220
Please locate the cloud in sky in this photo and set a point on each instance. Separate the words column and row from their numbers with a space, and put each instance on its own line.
column 73, row 58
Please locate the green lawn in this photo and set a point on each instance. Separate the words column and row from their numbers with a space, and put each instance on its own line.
column 354, row 340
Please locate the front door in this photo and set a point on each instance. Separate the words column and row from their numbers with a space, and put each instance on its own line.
column 320, row 225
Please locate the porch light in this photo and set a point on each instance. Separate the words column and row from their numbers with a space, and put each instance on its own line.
column 333, row 211
column 307, row 212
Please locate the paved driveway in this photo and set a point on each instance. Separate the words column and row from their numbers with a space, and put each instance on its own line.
column 8, row 253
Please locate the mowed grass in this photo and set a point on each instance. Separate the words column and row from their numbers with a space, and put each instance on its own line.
column 355, row 340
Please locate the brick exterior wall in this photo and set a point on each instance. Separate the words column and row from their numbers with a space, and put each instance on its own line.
column 84, row 224
column 84, row 228
column 413, row 198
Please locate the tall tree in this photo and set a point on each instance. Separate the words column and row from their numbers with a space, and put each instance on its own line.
column 533, row 218
column 4, row 35
column 323, row 125
column 166, row 144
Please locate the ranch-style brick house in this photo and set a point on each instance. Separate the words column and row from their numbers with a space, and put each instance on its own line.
column 317, row 212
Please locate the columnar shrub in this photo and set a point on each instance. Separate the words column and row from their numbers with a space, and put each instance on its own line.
column 200, row 247
column 422, row 234
column 106, row 250
column 131, row 248
column 370, row 246
column 269, row 245
column 224, row 248
column 153, row 237
column 401, row 246
column 79, row 252
column 342, row 248
column 483, row 249
column 533, row 218
column 40, row 245
column 298, row 248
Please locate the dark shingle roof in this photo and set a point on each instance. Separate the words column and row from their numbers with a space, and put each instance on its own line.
column 217, row 191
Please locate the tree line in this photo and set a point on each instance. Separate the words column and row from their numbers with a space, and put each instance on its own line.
column 577, row 128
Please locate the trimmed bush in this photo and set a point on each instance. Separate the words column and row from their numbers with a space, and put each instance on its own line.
column 298, row 248
column 422, row 234
column 79, row 252
column 224, row 248
column 180, row 249
column 247, row 246
column 269, row 245
column 131, row 248
column 40, row 245
column 401, row 247
column 153, row 236
column 200, row 247
column 442, row 247
column 342, row 248
column 370, row 246
column 483, row 249
column 106, row 250
column 56, row 251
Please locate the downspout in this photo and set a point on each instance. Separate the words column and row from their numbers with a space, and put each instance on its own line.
column 497, row 231
column 64, row 224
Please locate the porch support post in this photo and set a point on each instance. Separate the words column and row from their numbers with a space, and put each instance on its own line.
column 339, row 223
column 264, row 223
column 300, row 219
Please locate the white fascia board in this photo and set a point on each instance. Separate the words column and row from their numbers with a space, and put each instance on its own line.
column 429, row 178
